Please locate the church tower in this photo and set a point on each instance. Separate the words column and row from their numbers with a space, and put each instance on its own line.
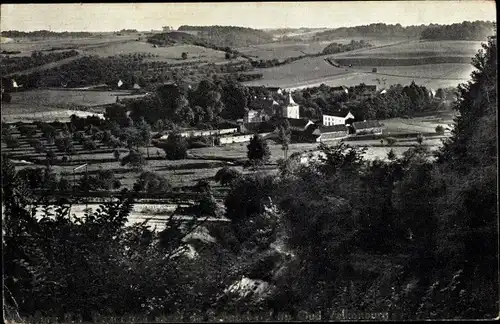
column 291, row 110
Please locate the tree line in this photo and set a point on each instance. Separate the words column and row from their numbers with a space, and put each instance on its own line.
column 396, row 101
column 37, row 58
column 476, row 30
column 43, row 33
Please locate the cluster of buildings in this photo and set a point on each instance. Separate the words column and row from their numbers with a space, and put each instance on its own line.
column 264, row 111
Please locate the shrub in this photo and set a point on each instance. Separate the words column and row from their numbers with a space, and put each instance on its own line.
column 134, row 159
column 89, row 144
column 391, row 141
column 440, row 129
column 175, row 147
column 152, row 183
column 226, row 175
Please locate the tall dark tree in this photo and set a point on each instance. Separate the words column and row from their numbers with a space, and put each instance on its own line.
column 258, row 150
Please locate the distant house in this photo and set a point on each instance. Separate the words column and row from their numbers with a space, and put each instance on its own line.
column 368, row 127
column 332, row 132
column 261, row 110
column 337, row 118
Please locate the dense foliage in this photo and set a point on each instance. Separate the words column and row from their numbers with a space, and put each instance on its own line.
column 229, row 35
column 43, row 33
column 21, row 63
column 334, row 48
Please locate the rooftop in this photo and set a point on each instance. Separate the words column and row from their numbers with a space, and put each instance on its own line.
column 333, row 129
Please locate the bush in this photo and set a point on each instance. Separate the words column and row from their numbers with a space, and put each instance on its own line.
column 134, row 159
column 89, row 144
column 391, row 141
column 152, row 183
column 37, row 145
column 440, row 129
column 175, row 147
column 227, row 175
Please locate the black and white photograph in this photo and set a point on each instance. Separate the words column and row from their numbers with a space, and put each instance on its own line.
column 313, row 161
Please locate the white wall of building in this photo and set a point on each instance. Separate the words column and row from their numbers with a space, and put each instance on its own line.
column 205, row 132
column 239, row 138
column 333, row 120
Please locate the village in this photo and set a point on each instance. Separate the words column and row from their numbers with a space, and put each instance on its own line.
column 265, row 113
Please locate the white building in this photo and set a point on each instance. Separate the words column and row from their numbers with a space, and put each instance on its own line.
column 340, row 119
column 292, row 109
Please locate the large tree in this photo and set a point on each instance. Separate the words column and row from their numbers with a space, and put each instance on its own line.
column 258, row 150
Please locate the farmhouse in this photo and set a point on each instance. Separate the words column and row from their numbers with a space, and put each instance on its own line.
column 337, row 119
column 368, row 127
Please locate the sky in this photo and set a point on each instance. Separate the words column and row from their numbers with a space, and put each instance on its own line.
column 102, row 17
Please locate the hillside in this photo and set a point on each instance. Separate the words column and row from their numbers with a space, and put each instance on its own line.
column 230, row 36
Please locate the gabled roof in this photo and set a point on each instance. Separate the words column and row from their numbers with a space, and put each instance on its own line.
column 337, row 114
column 367, row 124
column 333, row 129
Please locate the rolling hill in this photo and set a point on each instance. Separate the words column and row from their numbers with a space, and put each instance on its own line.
column 230, row 36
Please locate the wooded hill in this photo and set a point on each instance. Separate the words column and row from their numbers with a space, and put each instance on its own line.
column 230, row 35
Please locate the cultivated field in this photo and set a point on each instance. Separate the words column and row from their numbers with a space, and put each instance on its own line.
column 283, row 50
column 167, row 54
column 397, row 63
column 420, row 49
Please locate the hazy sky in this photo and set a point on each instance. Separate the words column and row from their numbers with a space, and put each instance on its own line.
column 147, row 16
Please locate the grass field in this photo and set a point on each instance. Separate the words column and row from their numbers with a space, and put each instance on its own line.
column 41, row 100
column 48, row 105
column 26, row 46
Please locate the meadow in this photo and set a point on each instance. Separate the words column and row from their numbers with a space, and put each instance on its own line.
column 48, row 104
column 26, row 46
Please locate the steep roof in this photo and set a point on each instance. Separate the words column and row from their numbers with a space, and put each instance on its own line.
column 337, row 114
column 367, row 124
column 333, row 129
